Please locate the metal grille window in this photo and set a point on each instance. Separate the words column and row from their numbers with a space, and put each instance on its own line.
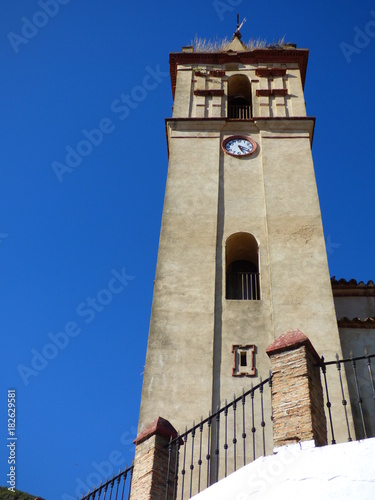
column 242, row 281
column 239, row 111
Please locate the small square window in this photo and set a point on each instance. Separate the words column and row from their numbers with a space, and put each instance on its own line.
column 244, row 361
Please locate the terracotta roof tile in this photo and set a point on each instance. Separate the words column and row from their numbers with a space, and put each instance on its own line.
column 349, row 288
column 290, row 340
column 352, row 282
column 367, row 323
column 159, row 426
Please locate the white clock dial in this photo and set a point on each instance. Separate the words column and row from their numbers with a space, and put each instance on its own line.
column 239, row 146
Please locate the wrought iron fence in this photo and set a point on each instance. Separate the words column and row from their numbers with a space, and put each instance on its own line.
column 359, row 392
column 211, row 451
column 117, row 488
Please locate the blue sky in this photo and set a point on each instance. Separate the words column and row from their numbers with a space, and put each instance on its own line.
column 78, row 249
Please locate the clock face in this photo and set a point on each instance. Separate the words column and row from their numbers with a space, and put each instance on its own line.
column 239, row 145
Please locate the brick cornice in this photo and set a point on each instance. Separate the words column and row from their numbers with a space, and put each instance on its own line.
column 285, row 123
column 209, row 92
column 271, row 92
column 273, row 72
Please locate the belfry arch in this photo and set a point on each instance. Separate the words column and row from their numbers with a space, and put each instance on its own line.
column 239, row 97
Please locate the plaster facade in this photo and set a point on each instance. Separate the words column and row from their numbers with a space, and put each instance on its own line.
column 210, row 196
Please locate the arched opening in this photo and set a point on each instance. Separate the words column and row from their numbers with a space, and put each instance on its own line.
column 239, row 97
column 242, row 267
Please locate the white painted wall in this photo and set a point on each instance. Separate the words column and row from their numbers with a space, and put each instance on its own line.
column 341, row 471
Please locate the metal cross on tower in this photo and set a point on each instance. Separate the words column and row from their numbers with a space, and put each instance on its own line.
column 239, row 26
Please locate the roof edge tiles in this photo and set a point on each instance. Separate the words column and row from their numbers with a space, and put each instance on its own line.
column 367, row 323
column 352, row 288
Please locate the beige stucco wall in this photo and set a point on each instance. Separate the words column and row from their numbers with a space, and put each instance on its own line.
column 209, row 196
column 178, row 372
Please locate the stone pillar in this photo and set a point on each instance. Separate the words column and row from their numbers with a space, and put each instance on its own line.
column 297, row 395
column 151, row 461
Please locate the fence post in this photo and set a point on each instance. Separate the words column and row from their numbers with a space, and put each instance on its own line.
column 151, row 461
column 297, row 395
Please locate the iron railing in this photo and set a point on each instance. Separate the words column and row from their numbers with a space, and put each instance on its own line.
column 117, row 488
column 359, row 390
column 211, row 451
column 243, row 286
column 239, row 111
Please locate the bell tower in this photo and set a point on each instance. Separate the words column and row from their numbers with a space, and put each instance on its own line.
column 242, row 256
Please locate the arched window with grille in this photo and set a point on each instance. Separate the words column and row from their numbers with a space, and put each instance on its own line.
column 239, row 97
column 242, row 267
